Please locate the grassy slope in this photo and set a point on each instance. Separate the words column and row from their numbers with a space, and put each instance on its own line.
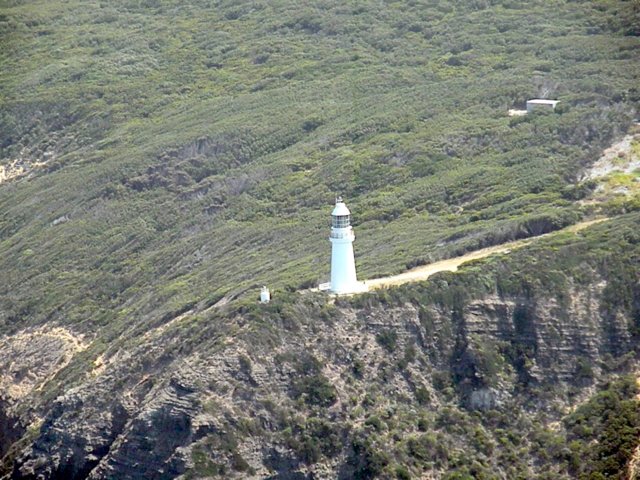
column 197, row 148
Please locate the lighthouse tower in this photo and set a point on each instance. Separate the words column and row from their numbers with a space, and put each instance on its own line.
column 343, row 266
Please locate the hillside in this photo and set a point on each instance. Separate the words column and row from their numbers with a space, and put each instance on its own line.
column 161, row 160
column 509, row 369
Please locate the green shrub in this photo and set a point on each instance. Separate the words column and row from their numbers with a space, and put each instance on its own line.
column 315, row 390
column 402, row 473
column 388, row 339
column 422, row 395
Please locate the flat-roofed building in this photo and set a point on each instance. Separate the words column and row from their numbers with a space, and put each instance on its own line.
column 541, row 104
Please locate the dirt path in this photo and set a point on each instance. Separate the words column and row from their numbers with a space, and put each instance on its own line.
column 452, row 264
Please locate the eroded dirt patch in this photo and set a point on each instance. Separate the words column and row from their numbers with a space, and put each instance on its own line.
column 29, row 358
column 622, row 156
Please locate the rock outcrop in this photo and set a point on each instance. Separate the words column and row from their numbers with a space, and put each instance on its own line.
column 288, row 392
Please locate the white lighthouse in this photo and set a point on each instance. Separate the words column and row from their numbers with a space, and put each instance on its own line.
column 343, row 265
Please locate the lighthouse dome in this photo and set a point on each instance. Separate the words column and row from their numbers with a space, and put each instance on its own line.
column 341, row 216
column 340, row 209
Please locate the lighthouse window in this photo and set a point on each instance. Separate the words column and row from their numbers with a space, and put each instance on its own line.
column 341, row 221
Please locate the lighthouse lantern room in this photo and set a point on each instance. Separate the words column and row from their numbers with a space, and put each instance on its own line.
column 343, row 266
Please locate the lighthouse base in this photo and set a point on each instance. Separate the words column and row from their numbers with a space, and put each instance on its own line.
column 355, row 287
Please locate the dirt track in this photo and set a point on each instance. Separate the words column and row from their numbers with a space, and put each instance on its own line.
column 452, row 264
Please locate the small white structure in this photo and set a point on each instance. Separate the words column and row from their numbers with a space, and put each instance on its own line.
column 541, row 104
column 343, row 265
column 516, row 113
column 265, row 295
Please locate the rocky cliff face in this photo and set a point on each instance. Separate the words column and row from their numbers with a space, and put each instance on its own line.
column 309, row 389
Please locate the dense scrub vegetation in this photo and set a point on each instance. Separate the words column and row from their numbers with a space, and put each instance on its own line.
column 180, row 155
column 193, row 151
column 612, row 418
